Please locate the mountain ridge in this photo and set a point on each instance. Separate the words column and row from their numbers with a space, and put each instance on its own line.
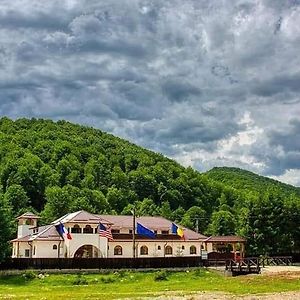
column 228, row 174
column 53, row 168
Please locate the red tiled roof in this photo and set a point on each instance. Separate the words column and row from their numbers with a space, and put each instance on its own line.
column 49, row 232
column 128, row 237
column 45, row 233
column 22, row 239
column 81, row 217
column 153, row 223
column 225, row 238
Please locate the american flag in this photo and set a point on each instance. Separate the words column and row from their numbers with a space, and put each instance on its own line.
column 105, row 232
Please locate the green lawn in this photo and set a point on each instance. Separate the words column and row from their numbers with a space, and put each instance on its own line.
column 135, row 284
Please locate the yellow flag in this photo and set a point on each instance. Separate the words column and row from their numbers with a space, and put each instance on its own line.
column 180, row 232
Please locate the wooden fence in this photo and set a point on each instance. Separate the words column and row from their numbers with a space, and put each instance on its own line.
column 100, row 263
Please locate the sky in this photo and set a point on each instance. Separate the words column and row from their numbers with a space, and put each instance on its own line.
column 207, row 83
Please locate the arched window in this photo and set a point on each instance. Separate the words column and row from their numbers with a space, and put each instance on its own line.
column 168, row 250
column 87, row 229
column 193, row 250
column 54, row 247
column 76, row 229
column 118, row 250
column 144, row 250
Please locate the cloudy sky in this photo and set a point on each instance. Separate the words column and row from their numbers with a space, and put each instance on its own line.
column 208, row 83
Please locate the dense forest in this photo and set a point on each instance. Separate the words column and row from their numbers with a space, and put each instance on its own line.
column 241, row 179
column 53, row 168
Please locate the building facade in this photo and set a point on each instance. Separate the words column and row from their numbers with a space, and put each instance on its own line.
column 45, row 241
column 35, row 241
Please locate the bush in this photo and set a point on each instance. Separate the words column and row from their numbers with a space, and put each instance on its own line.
column 198, row 272
column 108, row 279
column 29, row 275
column 80, row 280
column 120, row 274
column 161, row 275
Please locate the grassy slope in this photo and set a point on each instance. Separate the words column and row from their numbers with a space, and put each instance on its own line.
column 241, row 179
column 137, row 284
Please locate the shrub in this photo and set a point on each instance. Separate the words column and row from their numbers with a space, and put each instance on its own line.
column 108, row 279
column 80, row 280
column 29, row 274
column 161, row 275
column 198, row 272
column 120, row 274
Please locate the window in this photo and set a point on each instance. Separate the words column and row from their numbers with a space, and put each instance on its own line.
column 182, row 247
column 130, row 231
column 27, row 252
column 165, row 232
column 118, row 250
column 33, row 250
column 168, row 250
column 144, row 250
column 76, row 229
column 158, row 247
column 193, row 250
column 155, row 231
column 87, row 229
column 115, row 231
column 54, row 247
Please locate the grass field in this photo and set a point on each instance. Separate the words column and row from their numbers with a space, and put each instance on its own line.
column 125, row 284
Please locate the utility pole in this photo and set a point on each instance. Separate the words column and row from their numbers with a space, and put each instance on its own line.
column 133, row 232
column 197, row 225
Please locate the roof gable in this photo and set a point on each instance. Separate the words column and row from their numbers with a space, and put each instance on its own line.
column 81, row 217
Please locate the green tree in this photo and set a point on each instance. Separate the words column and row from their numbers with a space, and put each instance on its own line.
column 195, row 218
column 6, row 225
column 16, row 196
column 222, row 223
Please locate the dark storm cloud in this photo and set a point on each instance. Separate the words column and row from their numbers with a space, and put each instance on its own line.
column 278, row 84
column 289, row 139
column 14, row 20
column 178, row 90
column 206, row 82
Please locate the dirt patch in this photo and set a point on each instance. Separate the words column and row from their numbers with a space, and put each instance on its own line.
column 270, row 270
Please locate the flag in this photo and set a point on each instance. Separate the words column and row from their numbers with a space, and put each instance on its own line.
column 142, row 230
column 177, row 230
column 105, row 232
column 61, row 229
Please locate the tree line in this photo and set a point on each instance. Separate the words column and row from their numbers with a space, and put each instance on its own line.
column 53, row 168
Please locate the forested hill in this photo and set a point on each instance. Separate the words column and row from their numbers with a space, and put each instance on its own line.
column 53, row 168
column 245, row 180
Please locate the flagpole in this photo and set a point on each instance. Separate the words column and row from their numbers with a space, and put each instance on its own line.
column 99, row 256
column 133, row 232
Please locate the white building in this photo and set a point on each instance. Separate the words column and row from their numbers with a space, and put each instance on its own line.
column 45, row 242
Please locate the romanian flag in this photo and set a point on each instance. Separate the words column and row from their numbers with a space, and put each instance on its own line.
column 177, row 230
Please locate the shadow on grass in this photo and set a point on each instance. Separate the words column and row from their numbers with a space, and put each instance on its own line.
column 21, row 279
